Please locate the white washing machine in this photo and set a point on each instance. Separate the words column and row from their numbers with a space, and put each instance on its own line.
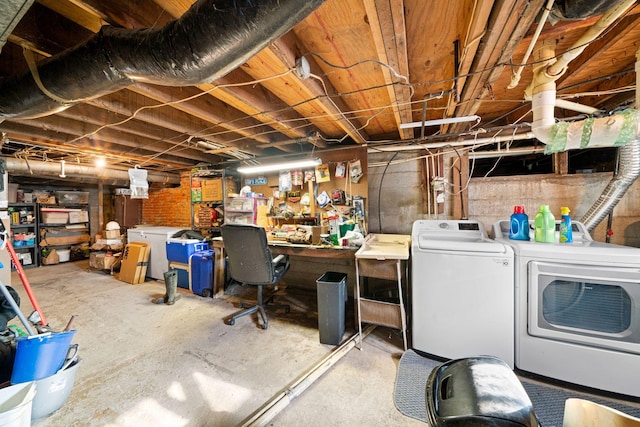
column 577, row 310
column 462, row 291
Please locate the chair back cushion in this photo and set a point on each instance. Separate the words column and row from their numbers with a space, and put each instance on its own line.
column 249, row 258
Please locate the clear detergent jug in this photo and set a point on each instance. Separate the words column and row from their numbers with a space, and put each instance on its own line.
column 545, row 225
column 519, row 229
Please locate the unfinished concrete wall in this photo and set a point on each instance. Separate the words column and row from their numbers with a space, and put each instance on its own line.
column 491, row 199
column 395, row 198
column 395, row 195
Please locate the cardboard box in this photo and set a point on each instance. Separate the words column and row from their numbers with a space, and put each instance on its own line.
column 102, row 261
column 111, row 234
column 316, row 231
column 55, row 217
column 135, row 260
column 211, row 190
column 78, row 216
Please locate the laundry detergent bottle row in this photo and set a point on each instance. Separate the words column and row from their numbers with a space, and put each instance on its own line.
column 519, row 228
column 545, row 226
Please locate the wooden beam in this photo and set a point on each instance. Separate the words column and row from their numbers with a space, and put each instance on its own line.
column 386, row 18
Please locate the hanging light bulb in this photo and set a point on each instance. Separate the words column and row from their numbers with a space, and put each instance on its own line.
column 100, row 162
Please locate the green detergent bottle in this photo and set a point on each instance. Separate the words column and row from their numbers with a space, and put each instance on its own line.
column 545, row 226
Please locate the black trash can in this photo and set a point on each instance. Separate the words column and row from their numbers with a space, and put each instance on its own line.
column 332, row 297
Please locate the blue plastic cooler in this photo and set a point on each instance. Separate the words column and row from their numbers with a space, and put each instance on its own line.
column 201, row 266
column 180, row 250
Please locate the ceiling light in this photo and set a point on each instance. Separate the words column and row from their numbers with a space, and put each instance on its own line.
column 100, row 162
column 296, row 164
column 440, row 122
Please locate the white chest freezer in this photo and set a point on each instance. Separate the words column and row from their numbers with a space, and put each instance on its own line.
column 156, row 237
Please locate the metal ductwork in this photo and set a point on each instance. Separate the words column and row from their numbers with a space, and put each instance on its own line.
column 74, row 171
column 629, row 159
column 579, row 9
column 12, row 12
column 211, row 39
column 621, row 130
column 629, row 171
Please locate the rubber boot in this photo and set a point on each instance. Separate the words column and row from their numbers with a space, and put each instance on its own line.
column 171, row 283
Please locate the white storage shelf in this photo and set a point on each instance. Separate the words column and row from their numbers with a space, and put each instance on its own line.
column 63, row 227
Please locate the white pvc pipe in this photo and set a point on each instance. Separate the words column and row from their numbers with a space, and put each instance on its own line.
column 559, row 67
column 515, row 78
column 574, row 106
column 467, row 142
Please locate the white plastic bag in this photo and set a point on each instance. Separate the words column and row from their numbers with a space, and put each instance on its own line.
column 138, row 183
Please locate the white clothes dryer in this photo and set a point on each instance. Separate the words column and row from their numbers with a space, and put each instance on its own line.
column 577, row 310
column 462, row 291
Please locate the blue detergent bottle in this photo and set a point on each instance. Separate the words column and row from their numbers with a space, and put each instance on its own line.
column 519, row 228
column 566, row 234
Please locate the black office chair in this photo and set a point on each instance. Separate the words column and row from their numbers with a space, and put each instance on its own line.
column 249, row 262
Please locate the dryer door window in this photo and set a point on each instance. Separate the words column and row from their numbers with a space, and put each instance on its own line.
column 590, row 305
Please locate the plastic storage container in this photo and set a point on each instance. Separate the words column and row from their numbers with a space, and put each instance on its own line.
column 332, row 297
column 202, row 273
column 519, row 228
column 545, row 225
column 40, row 356
column 566, row 233
column 179, row 250
column 52, row 392
column 15, row 404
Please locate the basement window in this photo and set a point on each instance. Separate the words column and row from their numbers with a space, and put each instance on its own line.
column 580, row 161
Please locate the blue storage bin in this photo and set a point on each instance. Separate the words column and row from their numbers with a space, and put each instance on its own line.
column 202, row 273
column 183, row 278
column 180, row 250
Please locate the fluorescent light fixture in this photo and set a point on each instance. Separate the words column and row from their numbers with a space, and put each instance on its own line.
column 439, row 122
column 296, row 164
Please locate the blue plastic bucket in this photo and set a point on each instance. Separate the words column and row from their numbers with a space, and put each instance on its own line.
column 40, row 356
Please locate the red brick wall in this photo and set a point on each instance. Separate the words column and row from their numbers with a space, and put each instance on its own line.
column 169, row 207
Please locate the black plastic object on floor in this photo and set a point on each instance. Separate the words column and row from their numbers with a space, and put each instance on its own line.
column 332, row 297
column 6, row 310
column 486, row 391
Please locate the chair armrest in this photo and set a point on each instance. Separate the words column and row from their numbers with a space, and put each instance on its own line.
column 282, row 259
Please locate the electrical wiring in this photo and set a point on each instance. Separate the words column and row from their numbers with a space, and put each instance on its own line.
column 359, row 119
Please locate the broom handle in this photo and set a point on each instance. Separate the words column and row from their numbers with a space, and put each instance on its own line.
column 20, row 270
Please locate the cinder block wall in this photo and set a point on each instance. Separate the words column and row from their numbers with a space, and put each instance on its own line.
column 169, row 206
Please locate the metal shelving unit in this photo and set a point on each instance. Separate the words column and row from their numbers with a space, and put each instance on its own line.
column 24, row 222
column 54, row 234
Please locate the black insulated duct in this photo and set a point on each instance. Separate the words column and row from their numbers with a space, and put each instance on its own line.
column 579, row 9
column 211, row 39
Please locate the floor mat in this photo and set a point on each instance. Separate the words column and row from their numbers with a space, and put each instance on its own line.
column 547, row 401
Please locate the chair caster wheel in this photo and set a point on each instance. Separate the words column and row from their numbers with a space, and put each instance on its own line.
column 231, row 322
column 240, row 305
column 264, row 326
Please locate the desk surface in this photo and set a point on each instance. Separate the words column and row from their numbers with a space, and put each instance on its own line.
column 318, row 251
column 300, row 249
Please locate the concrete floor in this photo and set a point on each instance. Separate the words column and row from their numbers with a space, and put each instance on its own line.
column 156, row 365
